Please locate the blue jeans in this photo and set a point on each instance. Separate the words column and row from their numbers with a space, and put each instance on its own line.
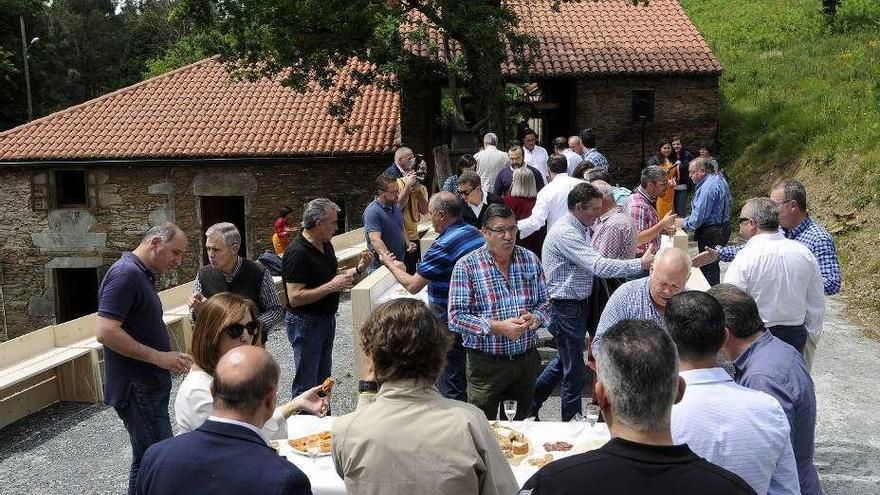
column 312, row 339
column 569, row 326
column 453, row 381
column 145, row 416
column 680, row 201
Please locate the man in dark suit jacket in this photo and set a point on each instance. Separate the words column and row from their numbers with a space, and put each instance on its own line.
column 227, row 454
column 474, row 198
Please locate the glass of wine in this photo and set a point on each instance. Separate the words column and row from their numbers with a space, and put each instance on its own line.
column 592, row 414
column 313, row 447
column 510, row 409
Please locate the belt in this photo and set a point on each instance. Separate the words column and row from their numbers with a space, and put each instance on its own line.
column 500, row 357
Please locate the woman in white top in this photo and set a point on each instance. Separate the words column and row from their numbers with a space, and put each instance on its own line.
column 224, row 322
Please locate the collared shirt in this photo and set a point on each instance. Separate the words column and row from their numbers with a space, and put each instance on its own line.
column 550, row 205
column 479, row 293
column 820, row 243
column 631, row 301
column 776, row 368
column 712, row 203
column 593, row 156
column 436, row 266
column 739, row 429
column 490, row 161
column 477, row 208
column 643, row 211
column 783, row 278
column 239, row 423
column 615, row 235
column 624, row 467
column 388, row 221
column 570, row 261
column 272, row 310
column 537, row 158
column 573, row 158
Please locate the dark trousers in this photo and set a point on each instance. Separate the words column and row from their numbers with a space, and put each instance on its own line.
column 453, row 381
column 491, row 380
column 145, row 416
column 569, row 326
column 312, row 339
column 711, row 236
column 793, row 335
column 680, row 202
column 412, row 259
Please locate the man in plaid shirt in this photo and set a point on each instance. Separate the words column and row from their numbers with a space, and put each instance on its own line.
column 497, row 301
column 642, row 207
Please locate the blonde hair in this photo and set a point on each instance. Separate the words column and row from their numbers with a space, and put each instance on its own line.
column 523, row 185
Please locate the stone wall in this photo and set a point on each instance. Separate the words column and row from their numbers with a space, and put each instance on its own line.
column 685, row 106
column 126, row 199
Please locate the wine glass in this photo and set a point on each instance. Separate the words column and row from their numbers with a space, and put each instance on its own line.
column 313, row 447
column 510, row 409
column 592, row 414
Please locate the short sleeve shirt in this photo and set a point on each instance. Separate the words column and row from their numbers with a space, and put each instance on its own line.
column 388, row 221
column 436, row 266
column 303, row 263
column 128, row 295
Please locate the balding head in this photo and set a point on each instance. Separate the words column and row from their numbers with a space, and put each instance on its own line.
column 669, row 274
column 445, row 209
column 245, row 385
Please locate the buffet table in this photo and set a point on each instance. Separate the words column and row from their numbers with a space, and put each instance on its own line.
column 325, row 481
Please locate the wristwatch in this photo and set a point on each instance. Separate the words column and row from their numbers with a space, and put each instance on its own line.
column 367, row 386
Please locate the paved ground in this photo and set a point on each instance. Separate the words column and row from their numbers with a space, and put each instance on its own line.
column 75, row 448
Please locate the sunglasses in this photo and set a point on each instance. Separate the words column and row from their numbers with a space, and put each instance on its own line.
column 236, row 329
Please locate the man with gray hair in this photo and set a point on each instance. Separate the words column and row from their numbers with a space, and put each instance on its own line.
column 312, row 284
column 226, row 271
column 614, row 233
column 781, row 275
column 137, row 348
column 490, row 161
column 637, row 384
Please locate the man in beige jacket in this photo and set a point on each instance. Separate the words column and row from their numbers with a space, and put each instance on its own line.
column 404, row 437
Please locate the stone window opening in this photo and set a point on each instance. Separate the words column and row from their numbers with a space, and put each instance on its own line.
column 71, row 189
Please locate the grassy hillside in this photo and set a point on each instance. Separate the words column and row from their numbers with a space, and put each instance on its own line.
column 802, row 98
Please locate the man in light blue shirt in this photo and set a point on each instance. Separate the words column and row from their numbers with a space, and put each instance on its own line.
column 710, row 214
column 739, row 429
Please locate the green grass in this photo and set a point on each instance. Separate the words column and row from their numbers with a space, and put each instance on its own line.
column 801, row 98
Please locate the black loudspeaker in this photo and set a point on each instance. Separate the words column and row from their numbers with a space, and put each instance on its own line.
column 643, row 104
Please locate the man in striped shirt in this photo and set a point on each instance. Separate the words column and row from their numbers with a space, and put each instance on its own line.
column 497, row 301
column 456, row 239
column 642, row 207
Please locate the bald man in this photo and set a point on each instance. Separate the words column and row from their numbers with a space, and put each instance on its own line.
column 645, row 298
column 228, row 453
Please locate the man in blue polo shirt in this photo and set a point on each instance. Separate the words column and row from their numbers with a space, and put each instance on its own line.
column 383, row 222
column 456, row 239
column 137, row 349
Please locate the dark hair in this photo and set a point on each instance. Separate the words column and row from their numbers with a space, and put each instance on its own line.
column 580, row 171
column 383, row 181
column 660, row 157
column 469, row 178
column 557, row 163
column 588, row 137
column 741, row 315
column 793, row 189
column 284, row 212
column 597, row 173
column 465, row 162
column 581, row 194
column 530, row 131
column 245, row 396
column 638, row 366
column 496, row 210
column 405, row 341
column 560, row 143
column 707, row 146
column 695, row 321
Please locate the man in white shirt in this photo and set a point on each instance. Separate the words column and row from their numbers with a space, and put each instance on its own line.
column 780, row 274
column 490, row 160
column 737, row 428
column 534, row 154
column 552, row 201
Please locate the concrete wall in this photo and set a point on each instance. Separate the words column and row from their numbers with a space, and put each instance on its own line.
column 127, row 199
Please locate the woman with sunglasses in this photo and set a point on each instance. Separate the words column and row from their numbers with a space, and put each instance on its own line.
column 225, row 322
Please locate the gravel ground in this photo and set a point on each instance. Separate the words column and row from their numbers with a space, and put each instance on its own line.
column 83, row 448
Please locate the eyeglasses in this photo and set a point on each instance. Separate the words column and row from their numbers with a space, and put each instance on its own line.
column 742, row 220
column 236, row 329
column 465, row 193
column 512, row 230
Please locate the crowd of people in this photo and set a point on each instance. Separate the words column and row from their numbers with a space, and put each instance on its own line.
column 550, row 244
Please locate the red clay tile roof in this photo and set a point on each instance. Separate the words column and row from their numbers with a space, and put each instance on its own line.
column 197, row 112
column 598, row 37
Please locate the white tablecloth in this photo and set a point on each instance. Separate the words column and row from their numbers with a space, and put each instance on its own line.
column 325, row 481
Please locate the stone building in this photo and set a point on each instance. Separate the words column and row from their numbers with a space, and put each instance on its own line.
column 603, row 64
column 82, row 185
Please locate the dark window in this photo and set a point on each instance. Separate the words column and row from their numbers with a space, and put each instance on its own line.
column 76, row 293
column 71, row 189
column 342, row 223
